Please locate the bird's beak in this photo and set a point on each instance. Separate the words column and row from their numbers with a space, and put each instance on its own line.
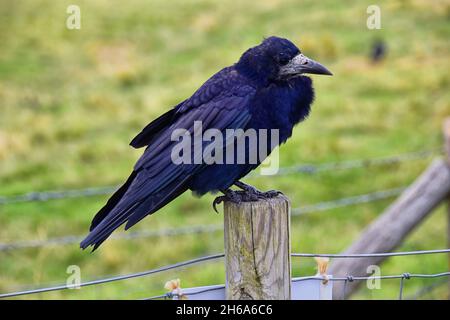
column 302, row 64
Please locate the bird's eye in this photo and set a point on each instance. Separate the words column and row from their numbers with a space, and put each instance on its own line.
column 283, row 59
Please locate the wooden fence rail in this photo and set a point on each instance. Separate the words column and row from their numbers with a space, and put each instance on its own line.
column 387, row 232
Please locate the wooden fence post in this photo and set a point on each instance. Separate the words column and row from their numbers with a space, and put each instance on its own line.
column 257, row 249
column 446, row 131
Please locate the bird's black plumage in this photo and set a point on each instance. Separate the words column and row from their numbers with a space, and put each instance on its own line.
column 263, row 90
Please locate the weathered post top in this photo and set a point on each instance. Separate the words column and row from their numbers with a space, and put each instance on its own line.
column 257, row 249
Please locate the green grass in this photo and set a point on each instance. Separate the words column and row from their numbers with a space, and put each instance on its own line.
column 70, row 101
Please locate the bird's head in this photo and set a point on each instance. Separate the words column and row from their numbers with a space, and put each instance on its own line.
column 278, row 59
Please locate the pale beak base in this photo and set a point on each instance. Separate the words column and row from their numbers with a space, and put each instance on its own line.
column 302, row 64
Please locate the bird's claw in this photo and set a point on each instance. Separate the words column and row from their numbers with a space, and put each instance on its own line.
column 218, row 200
column 269, row 194
column 235, row 197
column 245, row 196
column 259, row 194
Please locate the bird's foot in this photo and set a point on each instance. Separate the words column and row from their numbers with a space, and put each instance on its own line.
column 235, row 197
column 259, row 194
column 248, row 194
column 269, row 194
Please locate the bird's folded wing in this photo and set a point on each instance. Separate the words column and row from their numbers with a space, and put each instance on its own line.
column 157, row 179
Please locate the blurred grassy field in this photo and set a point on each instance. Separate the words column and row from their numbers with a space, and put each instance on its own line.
column 71, row 100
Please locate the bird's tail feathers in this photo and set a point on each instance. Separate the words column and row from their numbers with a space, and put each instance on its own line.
column 116, row 213
column 112, row 202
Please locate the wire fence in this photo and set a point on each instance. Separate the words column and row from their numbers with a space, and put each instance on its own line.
column 402, row 277
column 349, row 201
column 171, row 295
column 303, row 168
column 424, row 291
column 360, row 163
column 317, row 207
column 75, row 239
column 370, row 255
column 113, row 279
column 209, row 228
column 54, row 195
column 349, row 278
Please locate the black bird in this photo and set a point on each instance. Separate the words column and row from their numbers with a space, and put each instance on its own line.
column 378, row 51
column 265, row 89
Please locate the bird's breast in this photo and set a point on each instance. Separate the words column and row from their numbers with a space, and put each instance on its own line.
column 282, row 105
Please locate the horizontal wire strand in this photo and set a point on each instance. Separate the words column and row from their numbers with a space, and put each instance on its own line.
column 320, row 206
column 305, row 168
column 113, row 279
column 371, row 255
column 402, row 276
column 360, row 278
column 221, row 255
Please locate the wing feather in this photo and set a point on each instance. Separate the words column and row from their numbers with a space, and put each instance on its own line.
column 156, row 179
